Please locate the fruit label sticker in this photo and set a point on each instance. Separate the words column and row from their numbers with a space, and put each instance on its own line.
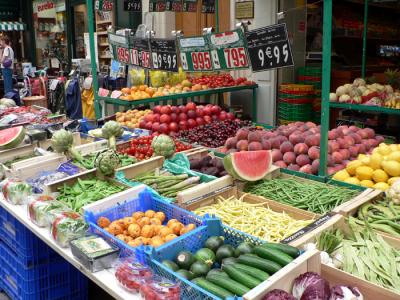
column 195, row 54
column 269, row 48
column 228, row 50
column 163, row 55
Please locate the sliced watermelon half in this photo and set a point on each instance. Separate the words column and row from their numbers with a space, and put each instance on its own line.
column 248, row 165
column 11, row 137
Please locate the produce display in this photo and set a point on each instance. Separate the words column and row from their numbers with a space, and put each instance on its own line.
column 86, row 191
column 215, row 134
column 248, row 165
column 219, row 80
column 11, row 137
column 145, row 228
column 15, row 191
column 362, row 253
column 254, row 219
column 141, row 148
column 226, row 271
column 173, row 119
column 131, row 118
column 378, row 170
column 311, row 286
column 359, row 92
column 296, row 146
column 166, row 183
column 24, row 114
column 67, row 227
column 42, row 209
column 382, row 215
column 208, row 165
column 309, row 195
column 131, row 274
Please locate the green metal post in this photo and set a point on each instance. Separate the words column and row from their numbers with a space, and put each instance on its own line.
column 365, row 32
column 326, row 80
column 216, row 16
column 254, row 105
column 97, row 107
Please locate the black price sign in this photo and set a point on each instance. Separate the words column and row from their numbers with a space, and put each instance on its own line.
column 133, row 5
column 208, row 6
column 190, row 5
column 140, row 52
column 174, row 5
column 164, row 55
column 157, row 5
column 269, row 48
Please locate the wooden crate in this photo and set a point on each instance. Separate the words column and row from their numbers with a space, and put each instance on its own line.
column 276, row 172
column 369, row 290
column 50, row 164
column 309, row 261
column 22, row 151
column 205, row 188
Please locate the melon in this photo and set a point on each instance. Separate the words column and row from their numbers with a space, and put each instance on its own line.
column 248, row 165
column 11, row 137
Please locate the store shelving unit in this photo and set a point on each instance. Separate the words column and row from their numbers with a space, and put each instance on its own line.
column 103, row 21
column 366, row 108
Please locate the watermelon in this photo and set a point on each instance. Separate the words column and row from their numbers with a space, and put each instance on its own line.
column 248, row 165
column 11, row 137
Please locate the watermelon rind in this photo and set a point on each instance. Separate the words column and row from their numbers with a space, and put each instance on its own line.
column 14, row 141
column 235, row 172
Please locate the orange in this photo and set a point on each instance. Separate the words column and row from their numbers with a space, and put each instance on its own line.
column 126, row 90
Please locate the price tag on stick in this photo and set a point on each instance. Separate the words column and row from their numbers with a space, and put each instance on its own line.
column 269, row 48
column 164, row 55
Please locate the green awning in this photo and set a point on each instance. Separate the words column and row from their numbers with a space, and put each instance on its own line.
column 12, row 26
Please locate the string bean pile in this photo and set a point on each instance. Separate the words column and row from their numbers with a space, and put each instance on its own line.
column 168, row 184
column 86, row 191
column 254, row 219
column 88, row 161
column 382, row 216
column 312, row 196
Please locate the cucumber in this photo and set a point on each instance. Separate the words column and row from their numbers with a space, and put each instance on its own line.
column 185, row 274
column 289, row 250
column 231, row 285
column 185, row 259
column 243, row 248
column 212, row 288
column 241, row 276
column 273, row 254
column 217, row 272
column 170, row 265
column 229, row 260
column 268, row 266
column 256, row 273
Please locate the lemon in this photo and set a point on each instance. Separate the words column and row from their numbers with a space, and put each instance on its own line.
column 361, row 156
column 380, row 176
column 352, row 166
column 364, row 173
column 376, row 150
column 341, row 175
column 375, row 161
column 352, row 180
column 381, row 186
column 395, row 155
column 384, row 149
column 366, row 160
column 393, row 147
column 392, row 180
column 391, row 167
column 367, row 183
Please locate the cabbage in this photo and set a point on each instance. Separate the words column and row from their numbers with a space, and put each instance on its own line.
column 310, row 286
column 278, row 295
column 345, row 293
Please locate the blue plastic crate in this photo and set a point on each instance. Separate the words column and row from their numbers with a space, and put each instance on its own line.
column 55, row 279
column 28, row 247
column 192, row 242
column 146, row 201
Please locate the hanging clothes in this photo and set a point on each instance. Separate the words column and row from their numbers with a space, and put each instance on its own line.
column 73, row 103
column 88, row 99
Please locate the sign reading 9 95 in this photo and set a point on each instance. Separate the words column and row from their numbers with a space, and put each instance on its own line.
column 195, row 54
column 269, row 48
column 164, row 55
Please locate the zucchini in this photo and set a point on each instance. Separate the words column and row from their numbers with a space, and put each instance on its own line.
column 224, row 251
column 185, row 260
column 212, row 288
column 199, row 268
column 170, row 265
column 244, row 248
column 268, row 266
column 241, row 276
column 229, row 284
column 185, row 274
column 289, row 250
column 256, row 273
column 273, row 254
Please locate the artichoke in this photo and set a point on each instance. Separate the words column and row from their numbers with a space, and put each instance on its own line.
column 163, row 145
column 107, row 161
column 110, row 131
column 62, row 141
